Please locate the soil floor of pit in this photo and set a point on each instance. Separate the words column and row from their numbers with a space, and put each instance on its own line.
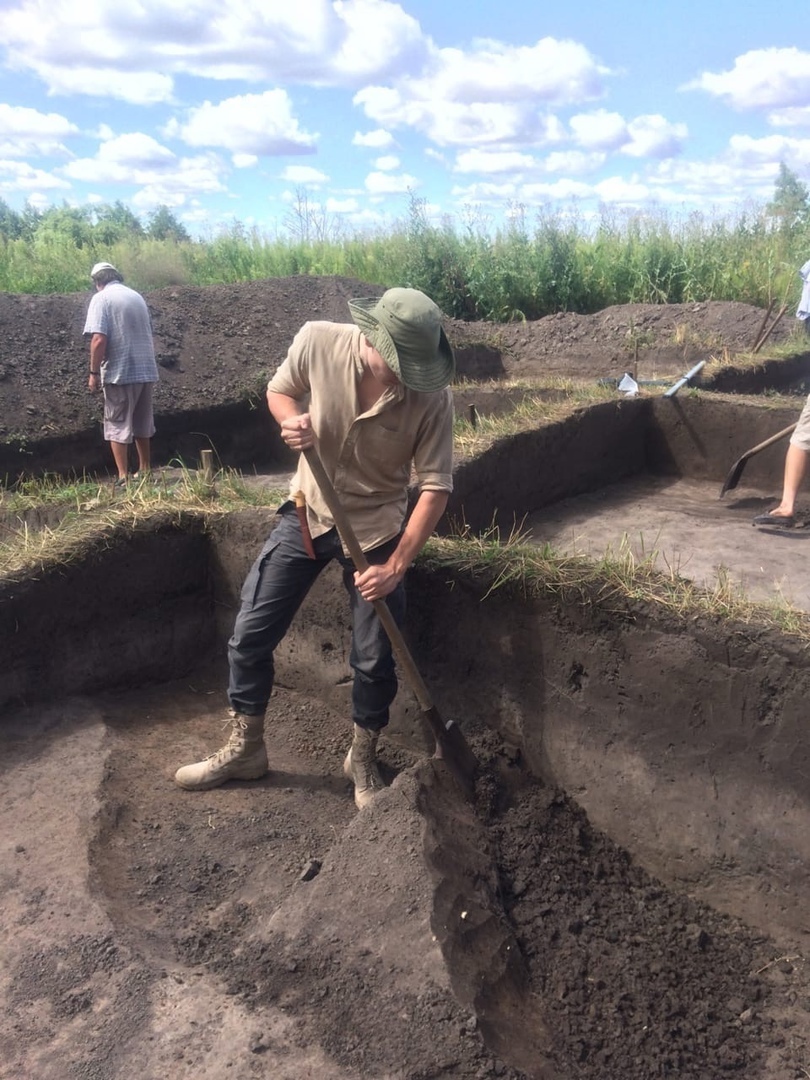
column 684, row 528
column 267, row 929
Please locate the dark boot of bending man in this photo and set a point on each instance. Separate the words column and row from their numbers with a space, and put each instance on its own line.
column 373, row 396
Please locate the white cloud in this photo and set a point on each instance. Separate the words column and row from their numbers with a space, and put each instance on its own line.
column 793, row 117
column 379, row 37
column 244, row 161
column 28, row 133
column 615, row 190
column 645, row 136
column 763, row 78
column 138, row 160
column 189, row 178
column 367, row 219
column 260, row 124
column 560, row 190
column 134, row 50
column 493, row 93
column 136, row 149
column 718, row 182
column 379, row 139
column 135, row 88
column 304, row 174
column 599, row 130
column 745, row 150
column 551, row 72
column 154, row 195
column 618, row 190
column 387, row 163
column 654, row 137
column 378, row 183
column 38, row 201
column 451, row 123
column 131, row 158
column 20, row 176
column 435, row 155
column 573, row 162
column 484, row 192
column 493, row 161
column 342, row 206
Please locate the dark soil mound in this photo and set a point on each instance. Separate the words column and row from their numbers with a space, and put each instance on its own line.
column 218, row 344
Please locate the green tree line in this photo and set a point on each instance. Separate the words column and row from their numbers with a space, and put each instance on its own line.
column 555, row 261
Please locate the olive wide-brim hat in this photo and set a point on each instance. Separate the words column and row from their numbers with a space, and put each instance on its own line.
column 405, row 327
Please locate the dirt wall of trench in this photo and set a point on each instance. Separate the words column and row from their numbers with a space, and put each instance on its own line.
column 686, row 742
column 135, row 607
column 696, row 436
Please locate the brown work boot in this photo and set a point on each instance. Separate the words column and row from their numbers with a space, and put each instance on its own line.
column 361, row 766
column 243, row 757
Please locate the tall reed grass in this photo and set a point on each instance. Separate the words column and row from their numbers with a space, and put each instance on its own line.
column 557, row 262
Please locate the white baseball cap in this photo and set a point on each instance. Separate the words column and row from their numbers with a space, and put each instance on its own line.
column 102, row 266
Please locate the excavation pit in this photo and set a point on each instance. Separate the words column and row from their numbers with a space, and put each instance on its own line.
column 625, row 898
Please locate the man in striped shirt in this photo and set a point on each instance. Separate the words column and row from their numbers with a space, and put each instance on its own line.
column 122, row 366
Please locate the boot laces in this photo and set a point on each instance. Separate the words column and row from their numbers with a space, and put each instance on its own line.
column 235, row 743
column 367, row 774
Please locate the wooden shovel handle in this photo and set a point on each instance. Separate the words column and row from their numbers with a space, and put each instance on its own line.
column 769, row 442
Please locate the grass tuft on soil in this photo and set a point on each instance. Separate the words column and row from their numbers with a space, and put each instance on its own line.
column 616, row 582
column 87, row 512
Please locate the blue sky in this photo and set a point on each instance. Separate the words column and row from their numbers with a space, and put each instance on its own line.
column 247, row 110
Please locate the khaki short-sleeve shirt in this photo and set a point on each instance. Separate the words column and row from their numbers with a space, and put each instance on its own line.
column 370, row 456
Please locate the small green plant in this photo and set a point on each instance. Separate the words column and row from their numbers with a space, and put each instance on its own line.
column 18, row 442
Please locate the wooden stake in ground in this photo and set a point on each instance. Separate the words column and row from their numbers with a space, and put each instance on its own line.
column 764, row 337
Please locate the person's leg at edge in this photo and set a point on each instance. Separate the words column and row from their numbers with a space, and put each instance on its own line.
column 120, row 453
column 375, row 681
column 118, row 425
column 273, row 591
column 144, row 448
column 794, row 471
column 795, row 468
column 143, row 426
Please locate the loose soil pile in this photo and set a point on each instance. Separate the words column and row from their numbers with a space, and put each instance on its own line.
column 267, row 929
column 218, row 343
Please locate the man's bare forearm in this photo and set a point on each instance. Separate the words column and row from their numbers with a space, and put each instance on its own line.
column 425, row 516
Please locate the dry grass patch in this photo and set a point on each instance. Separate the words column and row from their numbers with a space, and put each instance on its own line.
column 87, row 512
column 616, row 582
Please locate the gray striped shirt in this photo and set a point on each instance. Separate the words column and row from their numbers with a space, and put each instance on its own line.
column 122, row 316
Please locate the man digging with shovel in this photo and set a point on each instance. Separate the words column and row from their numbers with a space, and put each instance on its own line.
column 373, row 396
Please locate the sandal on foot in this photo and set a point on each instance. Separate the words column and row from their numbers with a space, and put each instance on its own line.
column 784, row 521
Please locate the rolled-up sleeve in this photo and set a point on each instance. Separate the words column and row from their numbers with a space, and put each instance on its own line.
column 292, row 375
column 433, row 454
